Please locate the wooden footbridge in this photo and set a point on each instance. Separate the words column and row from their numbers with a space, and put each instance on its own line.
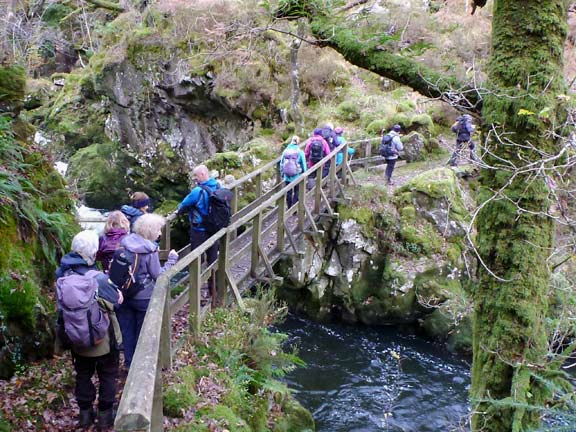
column 269, row 231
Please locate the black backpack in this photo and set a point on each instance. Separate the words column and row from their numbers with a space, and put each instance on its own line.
column 387, row 147
column 219, row 211
column 122, row 272
column 316, row 149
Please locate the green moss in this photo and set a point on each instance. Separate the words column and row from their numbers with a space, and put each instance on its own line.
column 377, row 127
column 224, row 162
column 12, row 87
column 54, row 13
column 438, row 184
column 405, row 106
column 402, row 119
column 422, row 121
column 348, row 111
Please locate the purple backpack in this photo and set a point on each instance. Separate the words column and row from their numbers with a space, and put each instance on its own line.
column 290, row 166
column 84, row 323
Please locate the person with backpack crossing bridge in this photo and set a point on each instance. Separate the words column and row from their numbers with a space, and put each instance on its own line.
column 292, row 165
column 316, row 149
column 208, row 207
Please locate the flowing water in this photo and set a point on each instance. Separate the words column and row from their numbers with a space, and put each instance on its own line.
column 376, row 379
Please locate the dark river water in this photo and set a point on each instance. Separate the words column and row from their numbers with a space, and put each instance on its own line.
column 362, row 379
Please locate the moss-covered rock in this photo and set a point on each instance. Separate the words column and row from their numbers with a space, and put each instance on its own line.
column 12, row 88
column 36, row 225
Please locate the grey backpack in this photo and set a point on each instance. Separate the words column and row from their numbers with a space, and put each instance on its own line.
column 82, row 323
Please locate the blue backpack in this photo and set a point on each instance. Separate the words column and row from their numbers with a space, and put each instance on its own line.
column 387, row 147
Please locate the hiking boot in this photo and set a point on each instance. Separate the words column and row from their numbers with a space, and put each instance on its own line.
column 106, row 418
column 86, row 418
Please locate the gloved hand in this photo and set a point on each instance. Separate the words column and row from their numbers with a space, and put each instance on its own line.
column 173, row 256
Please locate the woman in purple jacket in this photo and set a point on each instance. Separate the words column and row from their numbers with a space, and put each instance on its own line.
column 142, row 241
column 116, row 228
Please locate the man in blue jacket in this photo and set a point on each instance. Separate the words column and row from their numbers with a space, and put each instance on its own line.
column 197, row 205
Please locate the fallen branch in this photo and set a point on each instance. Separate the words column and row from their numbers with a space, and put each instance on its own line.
column 106, row 5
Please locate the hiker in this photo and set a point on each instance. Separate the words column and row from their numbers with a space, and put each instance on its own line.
column 142, row 242
column 316, row 149
column 196, row 204
column 292, row 165
column 463, row 129
column 329, row 135
column 116, row 228
column 390, row 147
column 83, row 292
column 339, row 132
column 139, row 205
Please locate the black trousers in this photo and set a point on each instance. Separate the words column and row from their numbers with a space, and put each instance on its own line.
column 390, row 163
column 106, row 367
column 292, row 195
column 196, row 239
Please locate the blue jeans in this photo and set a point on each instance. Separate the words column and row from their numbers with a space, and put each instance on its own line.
column 390, row 163
column 130, row 316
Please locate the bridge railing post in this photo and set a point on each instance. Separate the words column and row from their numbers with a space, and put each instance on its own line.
column 367, row 152
column 333, row 177
column 281, row 214
column 194, row 291
column 302, row 202
column 318, row 192
column 234, row 207
column 344, row 165
column 255, row 255
column 221, row 284
column 166, row 333
column 258, row 185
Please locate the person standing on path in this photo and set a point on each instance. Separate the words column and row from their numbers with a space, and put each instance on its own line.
column 463, row 128
column 390, row 148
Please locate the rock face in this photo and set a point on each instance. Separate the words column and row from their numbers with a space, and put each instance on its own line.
column 391, row 264
column 174, row 108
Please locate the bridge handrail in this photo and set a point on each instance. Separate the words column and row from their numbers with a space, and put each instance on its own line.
column 140, row 411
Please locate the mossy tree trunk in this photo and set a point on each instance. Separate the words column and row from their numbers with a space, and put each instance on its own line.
column 515, row 236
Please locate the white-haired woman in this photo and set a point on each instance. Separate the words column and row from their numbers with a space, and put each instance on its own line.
column 102, row 357
column 142, row 241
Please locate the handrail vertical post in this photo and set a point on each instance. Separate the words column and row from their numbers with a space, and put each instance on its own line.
column 221, row 285
column 368, row 152
column 343, row 167
column 256, row 229
column 302, row 202
column 333, row 177
column 318, row 192
column 165, row 239
column 281, row 204
column 234, row 208
column 165, row 357
column 195, row 283
column 258, row 185
column 157, row 420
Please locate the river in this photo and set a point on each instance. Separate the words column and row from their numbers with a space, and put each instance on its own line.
column 369, row 379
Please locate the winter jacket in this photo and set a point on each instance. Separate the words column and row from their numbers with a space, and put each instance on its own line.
column 463, row 129
column 108, row 243
column 131, row 213
column 301, row 162
column 149, row 266
column 397, row 144
column 196, row 202
column 325, row 148
column 107, row 297
column 339, row 141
